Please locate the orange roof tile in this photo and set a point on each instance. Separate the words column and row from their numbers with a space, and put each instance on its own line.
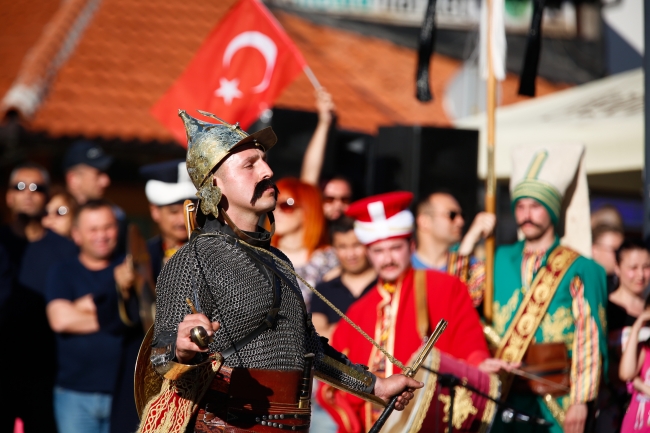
column 22, row 25
column 128, row 57
column 133, row 51
column 51, row 50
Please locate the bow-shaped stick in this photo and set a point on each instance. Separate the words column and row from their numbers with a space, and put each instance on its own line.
column 410, row 372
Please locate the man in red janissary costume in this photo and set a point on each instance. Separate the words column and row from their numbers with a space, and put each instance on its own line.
column 402, row 310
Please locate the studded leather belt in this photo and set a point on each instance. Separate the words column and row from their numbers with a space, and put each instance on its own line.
column 251, row 400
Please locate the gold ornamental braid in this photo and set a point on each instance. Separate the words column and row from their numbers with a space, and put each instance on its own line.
column 390, row 357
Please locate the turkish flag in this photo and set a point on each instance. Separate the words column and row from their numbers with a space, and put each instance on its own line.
column 242, row 66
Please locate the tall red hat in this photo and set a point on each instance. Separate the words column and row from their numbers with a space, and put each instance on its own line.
column 383, row 216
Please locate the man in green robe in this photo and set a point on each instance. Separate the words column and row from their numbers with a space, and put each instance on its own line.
column 547, row 293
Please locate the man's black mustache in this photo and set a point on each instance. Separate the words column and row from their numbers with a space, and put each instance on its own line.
column 388, row 265
column 529, row 222
column 262, row 186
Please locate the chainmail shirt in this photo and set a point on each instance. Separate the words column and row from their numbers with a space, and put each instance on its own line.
column 232, row 284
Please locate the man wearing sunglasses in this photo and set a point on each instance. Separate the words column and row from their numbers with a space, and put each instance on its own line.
column 336, row 190
column 31, row 247
column 337, row 196
column 440, row 222
column 26, row 198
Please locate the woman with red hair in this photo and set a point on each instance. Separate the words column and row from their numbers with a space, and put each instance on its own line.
column 301, row 232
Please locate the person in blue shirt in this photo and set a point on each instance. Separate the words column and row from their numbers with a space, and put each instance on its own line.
column 91, row 310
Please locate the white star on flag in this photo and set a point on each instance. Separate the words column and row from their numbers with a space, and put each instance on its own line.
column 228, row 90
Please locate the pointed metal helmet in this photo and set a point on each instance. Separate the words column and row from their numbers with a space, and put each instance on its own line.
column 209, row 143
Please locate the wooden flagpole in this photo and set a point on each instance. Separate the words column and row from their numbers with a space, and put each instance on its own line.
column 491, row 182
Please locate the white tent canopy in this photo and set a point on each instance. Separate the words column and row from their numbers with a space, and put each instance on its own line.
column 606, row 115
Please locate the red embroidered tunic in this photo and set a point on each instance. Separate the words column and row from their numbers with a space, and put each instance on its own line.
column 447, row 298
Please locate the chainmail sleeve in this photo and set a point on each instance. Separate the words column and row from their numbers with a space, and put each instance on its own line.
column 173, row 285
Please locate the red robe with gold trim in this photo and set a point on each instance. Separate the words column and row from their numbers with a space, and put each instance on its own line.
column 447, row 298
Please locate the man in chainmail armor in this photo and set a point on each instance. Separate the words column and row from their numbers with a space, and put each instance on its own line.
column 230, row 314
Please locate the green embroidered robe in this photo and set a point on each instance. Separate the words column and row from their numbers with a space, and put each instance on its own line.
column 576, row 316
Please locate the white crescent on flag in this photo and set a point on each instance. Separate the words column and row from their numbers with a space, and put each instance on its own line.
column 239, row 70
column 263, row 44
column 228, row 89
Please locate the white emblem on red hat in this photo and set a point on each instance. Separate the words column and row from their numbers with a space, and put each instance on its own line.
column 383, row 216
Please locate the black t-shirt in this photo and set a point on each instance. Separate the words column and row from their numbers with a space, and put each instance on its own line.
column 15, row 246
column 339, row 295
column 6, row 288
column 617, row 317
column 612, row 283
column 88, row 362
column 40, row 256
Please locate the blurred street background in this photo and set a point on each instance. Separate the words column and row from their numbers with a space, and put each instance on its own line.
column 93, row 69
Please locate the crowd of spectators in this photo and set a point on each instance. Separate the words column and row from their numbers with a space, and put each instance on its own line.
column 60, row 266
column 63, row 265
